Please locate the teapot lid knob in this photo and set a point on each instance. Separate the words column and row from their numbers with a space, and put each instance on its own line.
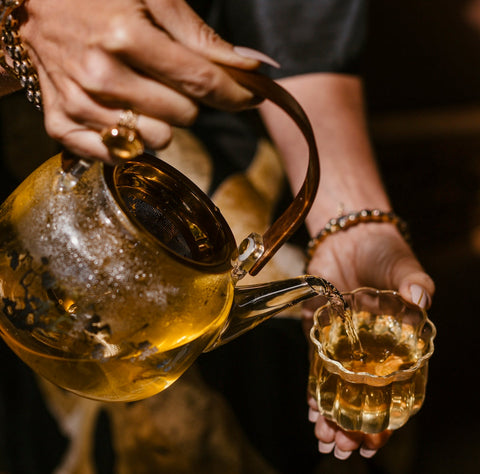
column 249, row 252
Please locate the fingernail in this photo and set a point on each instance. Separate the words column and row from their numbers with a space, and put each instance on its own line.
column 312, row 415
column 367, row 453
column 254, row 54
column 339, row 454
column 419, row 295
column 326, row 448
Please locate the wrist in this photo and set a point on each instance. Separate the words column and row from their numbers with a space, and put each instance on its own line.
column 361, row 219
column 355, row 257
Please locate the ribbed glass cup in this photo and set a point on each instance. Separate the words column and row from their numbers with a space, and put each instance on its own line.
column 385, row 386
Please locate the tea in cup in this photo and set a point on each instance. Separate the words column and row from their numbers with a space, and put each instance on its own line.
column 378, row 381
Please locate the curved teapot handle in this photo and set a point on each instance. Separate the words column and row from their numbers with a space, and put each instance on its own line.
column 291, row 219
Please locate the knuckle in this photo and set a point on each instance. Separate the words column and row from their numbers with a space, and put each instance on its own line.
column 118, row 36
column 161, row 138
column 201, row 83
column 76, row 109
column 96, row 75
column 207, row 36
column 188, row 116
column 55, row 125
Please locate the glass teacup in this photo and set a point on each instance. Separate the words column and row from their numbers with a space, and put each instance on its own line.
column 380, row 383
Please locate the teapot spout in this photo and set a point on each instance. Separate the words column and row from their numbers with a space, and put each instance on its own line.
column 255, row 304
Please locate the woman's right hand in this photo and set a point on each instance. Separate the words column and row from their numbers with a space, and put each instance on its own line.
column 95, row 59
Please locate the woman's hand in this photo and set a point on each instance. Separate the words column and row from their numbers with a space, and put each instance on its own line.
column 372, row 255
column 95, row 59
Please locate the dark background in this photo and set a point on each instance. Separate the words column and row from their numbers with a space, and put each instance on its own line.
column 422, row 75
column 423, row 88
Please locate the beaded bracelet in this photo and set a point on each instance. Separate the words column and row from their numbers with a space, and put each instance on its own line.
column 354, row 218
column 19, row 65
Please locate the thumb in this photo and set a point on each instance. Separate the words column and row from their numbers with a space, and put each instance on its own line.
column 186, row 27
column 388, row 261
column 413, row 283
column 420, row 293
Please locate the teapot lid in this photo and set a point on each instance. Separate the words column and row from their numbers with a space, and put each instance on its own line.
column 173, row 210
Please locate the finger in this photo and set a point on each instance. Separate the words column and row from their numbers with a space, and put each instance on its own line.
column 410, row 278
column 368, row 444
column 341, row 454
column 84, row 138
column 348, row 440
column 109, row 81
column 388, row 262
column 180, row 68
column 312, row 403
column 373, row 442
column 313, row 415
column 74, row 111
column 418, row 288
column 325, row 430
column 88, row 143
column 326, row 448
column 346, row 443
column 186, row 27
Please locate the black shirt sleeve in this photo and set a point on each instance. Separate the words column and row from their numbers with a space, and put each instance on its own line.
column 302, row 35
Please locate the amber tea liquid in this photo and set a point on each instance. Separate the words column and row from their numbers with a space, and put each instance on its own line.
column 373, row 348
column 128, row 320
column 119, row 368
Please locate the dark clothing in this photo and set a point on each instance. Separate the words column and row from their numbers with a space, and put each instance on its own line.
column 303, row 36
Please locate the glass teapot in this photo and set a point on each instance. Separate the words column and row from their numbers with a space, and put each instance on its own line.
column 114, row 279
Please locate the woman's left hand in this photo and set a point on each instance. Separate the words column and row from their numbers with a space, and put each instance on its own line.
column 374, row 255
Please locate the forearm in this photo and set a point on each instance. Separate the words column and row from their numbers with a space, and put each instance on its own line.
column 367, row 255
column 349, row 176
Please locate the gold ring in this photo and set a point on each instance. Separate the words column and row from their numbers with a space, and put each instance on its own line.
column 123, row 139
